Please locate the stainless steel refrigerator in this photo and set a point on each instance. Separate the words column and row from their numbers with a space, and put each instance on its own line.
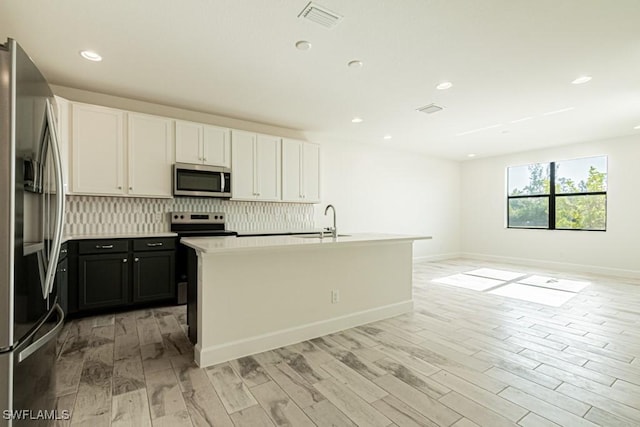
column 31, row 222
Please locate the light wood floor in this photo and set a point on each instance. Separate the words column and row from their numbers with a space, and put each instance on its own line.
column 462, row 358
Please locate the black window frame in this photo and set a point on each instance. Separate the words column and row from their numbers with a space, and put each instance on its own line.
column 551, row 196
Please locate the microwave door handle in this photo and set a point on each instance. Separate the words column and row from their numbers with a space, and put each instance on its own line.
column 223, row 185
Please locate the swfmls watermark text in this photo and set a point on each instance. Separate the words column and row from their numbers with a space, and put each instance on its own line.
column 29, row 414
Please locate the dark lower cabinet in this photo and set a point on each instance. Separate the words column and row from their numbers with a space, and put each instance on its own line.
column 103, row 280
column 118, row 273
column 154, row 276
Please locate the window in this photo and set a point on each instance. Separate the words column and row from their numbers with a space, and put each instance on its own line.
column 563, row 195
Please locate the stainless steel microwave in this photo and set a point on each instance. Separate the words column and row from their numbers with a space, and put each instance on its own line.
column 201, row 180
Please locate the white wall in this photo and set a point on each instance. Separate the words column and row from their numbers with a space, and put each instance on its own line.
column 616, row 251
column 379, row 189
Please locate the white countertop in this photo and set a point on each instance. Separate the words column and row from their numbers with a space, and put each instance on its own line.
column 117, row 236
column 277, row 232
column 231, row 244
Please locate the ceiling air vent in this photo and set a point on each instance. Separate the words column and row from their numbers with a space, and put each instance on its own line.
column 320, row 15
column 430, row 109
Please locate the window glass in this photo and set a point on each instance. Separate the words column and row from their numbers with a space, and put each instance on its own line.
column 588, row 212
column 529, row 212
column 585, row 175
column 572, row 198
column 528, row 180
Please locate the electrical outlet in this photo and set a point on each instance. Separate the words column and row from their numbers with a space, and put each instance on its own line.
column 335, row 296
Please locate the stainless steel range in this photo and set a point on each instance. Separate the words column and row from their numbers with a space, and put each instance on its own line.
column 189, row 224
column 192, row 224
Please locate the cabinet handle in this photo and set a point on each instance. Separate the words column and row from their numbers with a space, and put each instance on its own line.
column 205, row 159
column 136, row 259
column 153, row 245
column 124, row 260
column 119, row 187
column 104, row 246
column 130, row 188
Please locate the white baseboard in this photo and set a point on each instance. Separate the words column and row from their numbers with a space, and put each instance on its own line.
column 564, row 266
column 221, row 353
column 439, row 257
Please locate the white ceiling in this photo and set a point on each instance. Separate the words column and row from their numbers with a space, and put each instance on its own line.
column 507, row 59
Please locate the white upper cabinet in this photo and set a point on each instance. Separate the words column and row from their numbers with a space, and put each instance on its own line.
column 109, row 158
column 97, row 145
column 300, row 171
column 150, row 152
column 188, row 142
column 256, row 166
column 202, row 144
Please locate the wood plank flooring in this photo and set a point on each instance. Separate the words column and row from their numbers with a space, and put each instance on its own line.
column 461, row 358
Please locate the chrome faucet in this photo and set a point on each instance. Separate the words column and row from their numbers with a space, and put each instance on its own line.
column 334, row 229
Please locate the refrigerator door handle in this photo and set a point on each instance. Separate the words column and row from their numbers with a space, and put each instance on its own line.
column 60, row 200
column 45, row 338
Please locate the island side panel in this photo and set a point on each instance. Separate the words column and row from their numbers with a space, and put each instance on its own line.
column 255, row 300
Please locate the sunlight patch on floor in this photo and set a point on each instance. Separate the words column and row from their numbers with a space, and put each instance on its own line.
column 539, row 289
column 544, row 296
column 553, row 283
column 470, row 282
column 492, row 273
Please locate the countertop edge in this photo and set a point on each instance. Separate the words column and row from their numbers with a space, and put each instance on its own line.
column 288, row 244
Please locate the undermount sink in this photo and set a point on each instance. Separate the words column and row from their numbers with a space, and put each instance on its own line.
column 317, row 236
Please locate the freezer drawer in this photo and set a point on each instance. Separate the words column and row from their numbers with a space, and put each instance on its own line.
column 30, row 370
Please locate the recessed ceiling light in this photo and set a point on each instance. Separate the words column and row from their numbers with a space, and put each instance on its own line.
column 387, row 137
column 637, row 127
column 90, row 55
column 355, row 64
column 356, row 120
column 471, row 155
column 303, row 45
column 444, row 85
column 580, row 80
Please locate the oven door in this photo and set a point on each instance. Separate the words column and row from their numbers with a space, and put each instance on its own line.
column 201, row 180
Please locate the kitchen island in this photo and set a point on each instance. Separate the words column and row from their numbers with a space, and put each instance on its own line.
column 258, row 293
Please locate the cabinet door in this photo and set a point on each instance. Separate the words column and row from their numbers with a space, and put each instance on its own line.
column 243, row 184
column 154, row 276
column 188, row 142
column 268, row 167
column 311, row 173
column 291, row 170
column 98, row 150
column 150, row 152
column 216, row 146
column 103, row 280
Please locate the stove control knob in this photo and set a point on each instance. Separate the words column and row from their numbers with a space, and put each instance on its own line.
column 181, row 216
column 175, row 217
column 221, row 217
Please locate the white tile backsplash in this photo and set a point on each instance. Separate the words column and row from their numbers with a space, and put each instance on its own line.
column 119, row 215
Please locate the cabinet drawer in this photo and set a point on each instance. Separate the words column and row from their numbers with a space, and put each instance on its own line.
column 157, row 244
column 106, row 246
